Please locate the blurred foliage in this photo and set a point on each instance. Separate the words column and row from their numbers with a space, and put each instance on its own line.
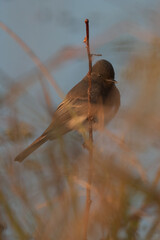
column 18, row 131
column 44, row 197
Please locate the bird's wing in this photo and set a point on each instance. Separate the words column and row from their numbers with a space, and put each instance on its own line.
column 73, row 111
column 69, row 114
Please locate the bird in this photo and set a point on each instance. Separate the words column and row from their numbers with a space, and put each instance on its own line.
column 72, row 113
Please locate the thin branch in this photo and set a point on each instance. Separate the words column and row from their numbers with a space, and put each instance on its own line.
column 90, row 148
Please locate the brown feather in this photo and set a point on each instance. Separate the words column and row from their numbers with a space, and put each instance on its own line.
column 26, row 152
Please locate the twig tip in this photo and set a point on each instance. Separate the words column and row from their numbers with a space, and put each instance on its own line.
column 86, row 20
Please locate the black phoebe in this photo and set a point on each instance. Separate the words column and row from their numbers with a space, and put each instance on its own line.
column 72, row 113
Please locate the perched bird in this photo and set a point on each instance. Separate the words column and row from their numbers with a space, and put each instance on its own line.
column 72, row 113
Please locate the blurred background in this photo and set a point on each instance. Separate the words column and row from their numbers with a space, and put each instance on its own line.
column 44, row 197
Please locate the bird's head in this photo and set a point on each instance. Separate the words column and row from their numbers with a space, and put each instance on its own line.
column 104, row 69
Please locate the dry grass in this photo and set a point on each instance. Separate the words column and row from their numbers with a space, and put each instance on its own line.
column 44, row 197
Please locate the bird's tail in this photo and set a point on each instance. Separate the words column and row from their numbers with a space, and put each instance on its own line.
column 31, row 148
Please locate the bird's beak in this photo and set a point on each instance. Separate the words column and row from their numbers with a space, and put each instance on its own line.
column 111, row 80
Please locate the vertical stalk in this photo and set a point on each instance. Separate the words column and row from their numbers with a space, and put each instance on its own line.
column 90, row 148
